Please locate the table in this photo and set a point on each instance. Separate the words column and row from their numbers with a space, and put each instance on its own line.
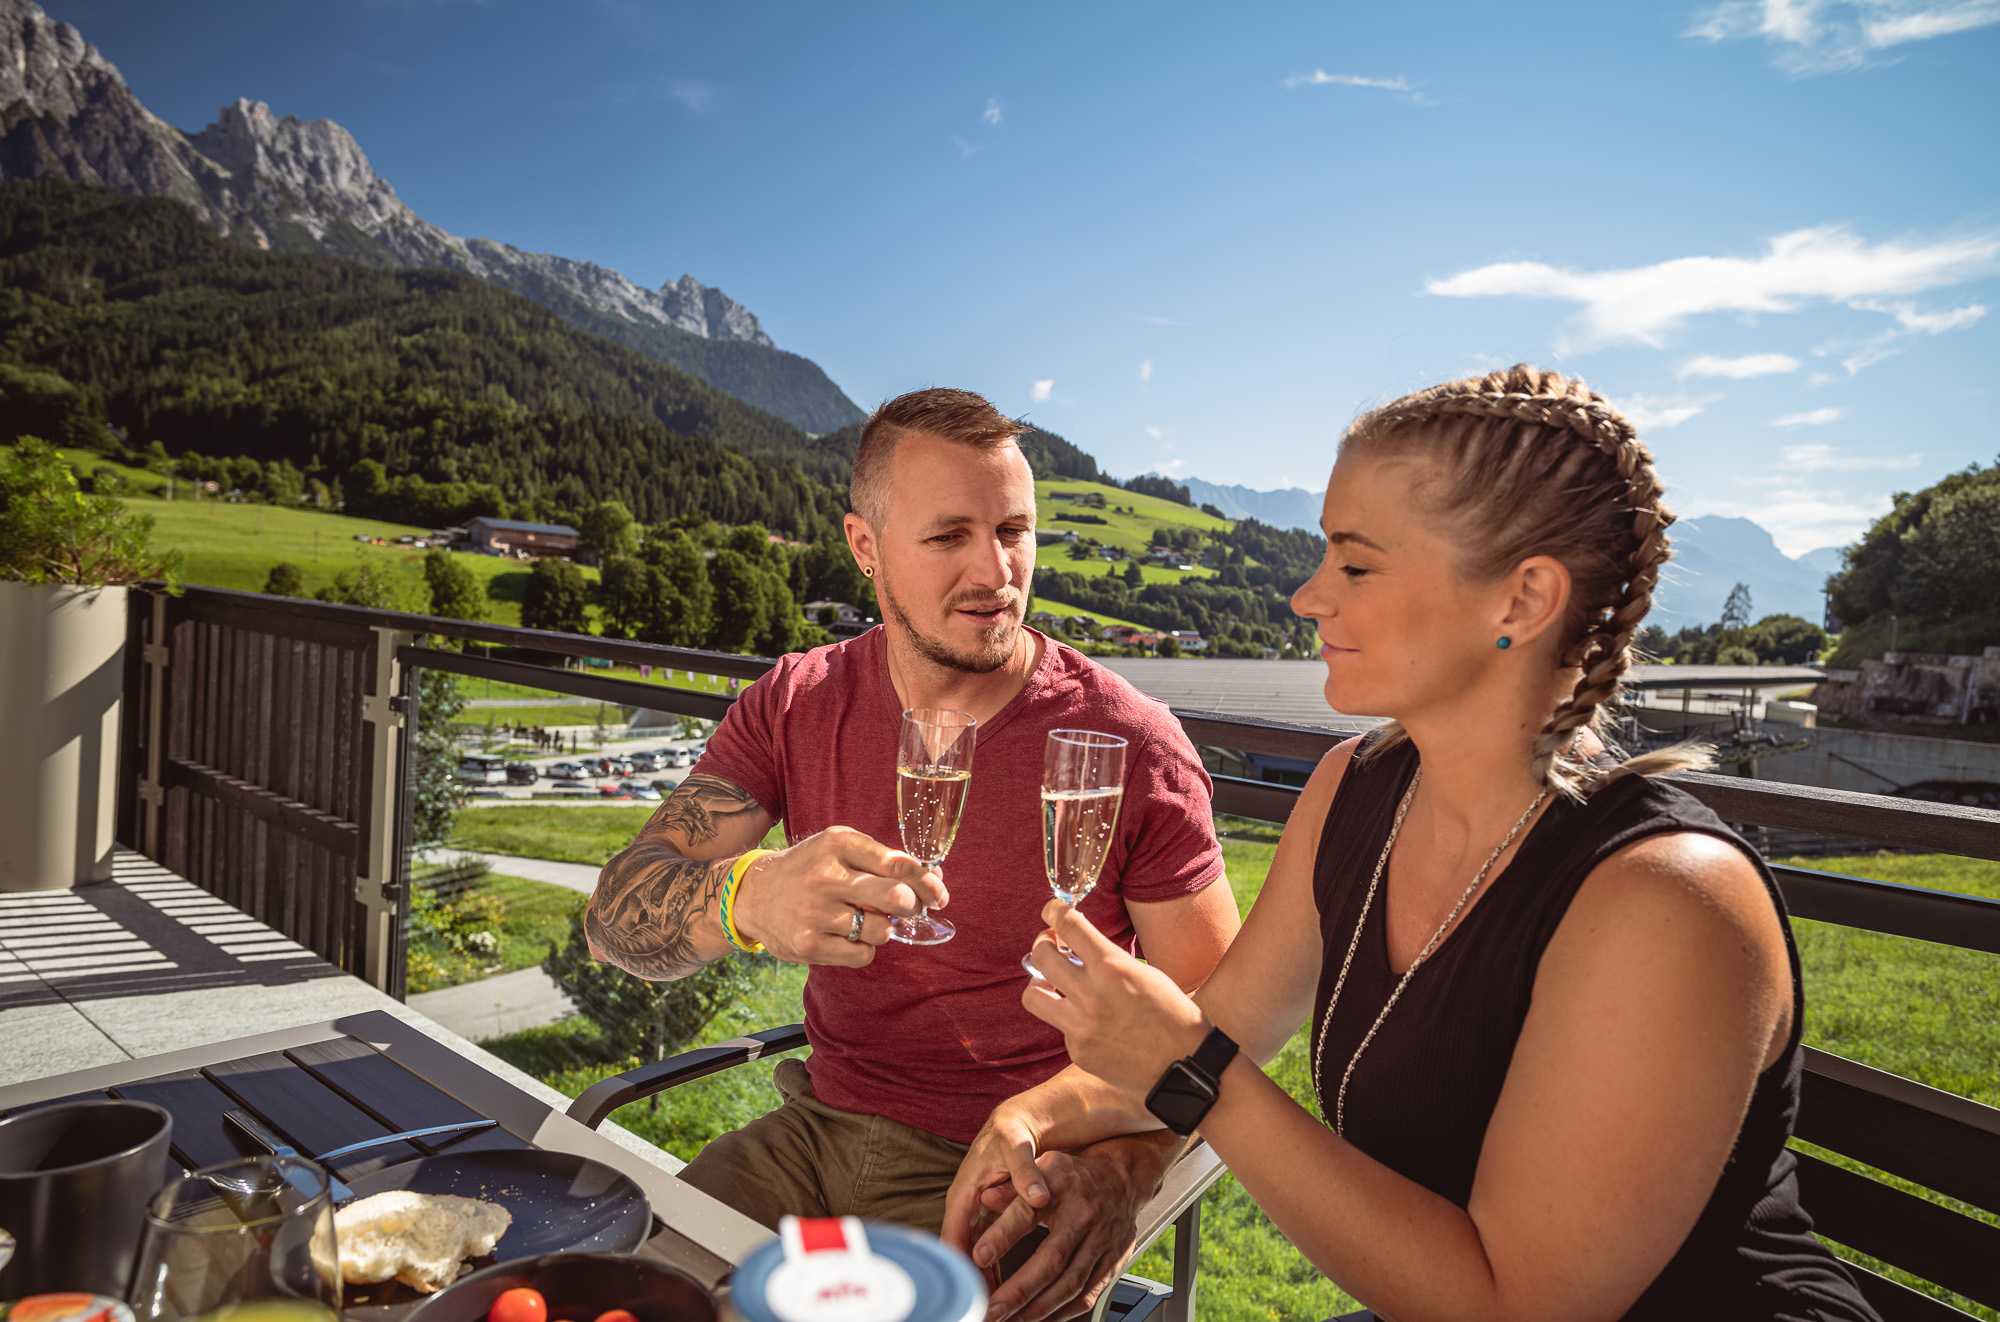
column 363, row 1075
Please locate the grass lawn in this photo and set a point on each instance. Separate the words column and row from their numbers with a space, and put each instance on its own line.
column 522, row 916
column 560, row 832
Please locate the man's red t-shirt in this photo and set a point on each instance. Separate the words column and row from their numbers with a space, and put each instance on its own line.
column 935, row 1036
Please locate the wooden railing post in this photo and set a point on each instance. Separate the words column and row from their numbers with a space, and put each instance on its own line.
column 375, row 885
column 153, row 794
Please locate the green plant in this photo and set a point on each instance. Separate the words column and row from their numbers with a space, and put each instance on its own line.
column 51, row 532
column 286, row 580
column 637, row 1017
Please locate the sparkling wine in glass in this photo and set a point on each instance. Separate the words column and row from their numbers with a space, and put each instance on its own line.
column 1083, row 785
column 933, row 773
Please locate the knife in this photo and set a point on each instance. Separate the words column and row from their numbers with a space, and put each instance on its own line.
column 261, row 1134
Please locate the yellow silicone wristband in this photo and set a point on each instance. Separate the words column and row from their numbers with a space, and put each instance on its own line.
column 727, row 905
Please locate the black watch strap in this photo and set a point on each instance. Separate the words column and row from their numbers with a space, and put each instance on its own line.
column 1214, row 1054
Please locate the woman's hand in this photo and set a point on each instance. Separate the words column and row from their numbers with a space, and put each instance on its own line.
column 1121, row 1020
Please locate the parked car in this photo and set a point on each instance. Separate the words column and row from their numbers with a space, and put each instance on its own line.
column 618, row 766
column 482, row 769
column 665, row 786
column 565, row 771
column 570, row 789
column 680, row 757
column 614, row 792
column 522, row 773
column 645, row 761
column 642, row 790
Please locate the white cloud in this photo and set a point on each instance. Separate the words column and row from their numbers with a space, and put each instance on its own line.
column 1740, row 369
column 1154, row 432
column 1146, row 370
column 1810, row 418
column 966, row 150
column 1826, row 264
column 1909, row 321
column 1818, row 379
column 1801, row 519
column 1824, row 458
column 1657, row 412
column 1042, row 391
column 994, row 112
column 1320, row 78
column 1171, row 468
column 1825, row 36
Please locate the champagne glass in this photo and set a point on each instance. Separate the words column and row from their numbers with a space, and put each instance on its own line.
column 1083, row 785
column 252, row 1239
column 933, row 773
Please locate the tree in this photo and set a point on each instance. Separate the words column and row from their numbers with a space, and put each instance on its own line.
column 607, row 530
column 1651, row 642
column 1169, row 647
column 1133, row 578
column 454, row 589
column 285, row 580
column 555, row 598
column 637, row 600
column 641, row 1018
column 363, row 585
column 675, row 554
column 1785, row 640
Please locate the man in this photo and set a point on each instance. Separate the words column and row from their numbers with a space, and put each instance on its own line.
column 914, row 1045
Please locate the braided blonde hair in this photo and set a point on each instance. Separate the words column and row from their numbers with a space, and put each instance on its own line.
column 1523, row 463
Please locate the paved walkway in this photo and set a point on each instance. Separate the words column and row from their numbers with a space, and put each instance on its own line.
column 497, row 1006
column 579, row 877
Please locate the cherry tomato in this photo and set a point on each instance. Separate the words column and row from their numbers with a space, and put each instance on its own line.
column 616, row 1315
column 519, row 1305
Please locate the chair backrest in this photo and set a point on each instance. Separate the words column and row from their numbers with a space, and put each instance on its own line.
column 1938, row 1140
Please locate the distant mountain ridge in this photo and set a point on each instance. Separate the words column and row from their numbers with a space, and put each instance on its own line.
column 306, row 186
column 1288, row 507
column 1712, row 554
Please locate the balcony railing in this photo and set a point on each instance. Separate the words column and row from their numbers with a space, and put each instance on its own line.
column 266, row 758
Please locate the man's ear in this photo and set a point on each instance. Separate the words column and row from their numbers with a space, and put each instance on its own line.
column 1537, row 600
column 860, row 541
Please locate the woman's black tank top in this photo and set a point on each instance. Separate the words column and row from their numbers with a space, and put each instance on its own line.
column 1421, row 1096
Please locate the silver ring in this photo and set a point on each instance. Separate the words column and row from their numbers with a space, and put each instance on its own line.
column 854, row 928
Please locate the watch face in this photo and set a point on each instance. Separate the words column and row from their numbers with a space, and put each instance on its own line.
column 1181, row 1098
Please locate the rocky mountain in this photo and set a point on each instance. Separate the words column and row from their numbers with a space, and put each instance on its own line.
column 277, row 182
column 1291, row 507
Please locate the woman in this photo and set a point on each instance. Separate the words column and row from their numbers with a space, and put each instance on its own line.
column 1555, row 1002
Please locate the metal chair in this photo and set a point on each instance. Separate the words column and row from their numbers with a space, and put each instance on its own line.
column 1131, row 1298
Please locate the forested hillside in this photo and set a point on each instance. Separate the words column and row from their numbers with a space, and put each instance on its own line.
column 1926, row 575
column 130, row 311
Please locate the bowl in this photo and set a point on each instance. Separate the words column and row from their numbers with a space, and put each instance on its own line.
column 578, row 1287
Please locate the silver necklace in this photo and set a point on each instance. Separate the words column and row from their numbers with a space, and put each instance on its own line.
column 1381, row 864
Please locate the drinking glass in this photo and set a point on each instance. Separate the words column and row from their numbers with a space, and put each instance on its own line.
column 253, row 1238
column 1083, row 785
column 933, row 773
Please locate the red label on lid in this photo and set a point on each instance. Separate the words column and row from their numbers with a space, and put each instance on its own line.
column 822, row 1234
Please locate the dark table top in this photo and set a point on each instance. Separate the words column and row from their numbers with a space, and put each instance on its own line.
column 329, row 1084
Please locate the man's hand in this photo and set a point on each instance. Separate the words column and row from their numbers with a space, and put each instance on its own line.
column 800, row 902
column 1089, row 1201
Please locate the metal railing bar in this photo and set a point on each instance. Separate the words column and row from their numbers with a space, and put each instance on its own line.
column 1895, row 1087
column 1945, row 917
column 208, row 602
column 624, row 692
column 1935, row 828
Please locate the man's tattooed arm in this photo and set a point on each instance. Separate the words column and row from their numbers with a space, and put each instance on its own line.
column 653, row 913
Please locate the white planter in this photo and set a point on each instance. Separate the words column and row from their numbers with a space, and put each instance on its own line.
column 62, row 681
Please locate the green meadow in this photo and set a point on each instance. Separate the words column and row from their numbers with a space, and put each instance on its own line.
column 1132, row 533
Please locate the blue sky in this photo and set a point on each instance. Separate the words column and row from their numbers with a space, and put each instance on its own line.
column 1198, row 239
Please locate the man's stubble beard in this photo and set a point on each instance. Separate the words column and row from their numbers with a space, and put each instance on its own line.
column 1002, row 638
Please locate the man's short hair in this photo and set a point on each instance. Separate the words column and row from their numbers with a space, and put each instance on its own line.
column 950, row 415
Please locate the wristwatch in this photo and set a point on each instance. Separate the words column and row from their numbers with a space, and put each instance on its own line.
column 1184, row 1094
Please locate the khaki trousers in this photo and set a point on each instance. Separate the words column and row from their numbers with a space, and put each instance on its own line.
column 810, row 1159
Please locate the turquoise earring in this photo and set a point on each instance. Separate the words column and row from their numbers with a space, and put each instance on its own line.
column 1505, row 642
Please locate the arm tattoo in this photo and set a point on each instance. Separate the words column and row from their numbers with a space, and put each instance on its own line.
column 648, row 900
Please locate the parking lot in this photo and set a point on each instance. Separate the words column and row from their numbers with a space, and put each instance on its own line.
column 641, row 771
